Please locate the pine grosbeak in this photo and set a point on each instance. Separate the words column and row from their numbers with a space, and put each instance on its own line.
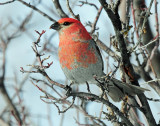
column 80, row 58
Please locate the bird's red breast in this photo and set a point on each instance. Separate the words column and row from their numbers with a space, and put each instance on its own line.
column 74, row 47
column 76, row 55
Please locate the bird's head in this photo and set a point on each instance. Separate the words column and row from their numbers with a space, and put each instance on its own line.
column 65, row 23
column 71, row 29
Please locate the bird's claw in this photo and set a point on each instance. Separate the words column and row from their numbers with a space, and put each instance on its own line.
column 68, row 90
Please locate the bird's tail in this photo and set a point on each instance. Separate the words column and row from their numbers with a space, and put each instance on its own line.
column 118, row 89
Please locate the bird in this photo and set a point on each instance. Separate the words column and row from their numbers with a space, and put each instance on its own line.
column 80, row 59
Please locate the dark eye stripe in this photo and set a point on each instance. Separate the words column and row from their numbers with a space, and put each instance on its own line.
column 66, row 23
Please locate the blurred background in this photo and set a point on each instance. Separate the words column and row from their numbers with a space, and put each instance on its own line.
column 18, row 22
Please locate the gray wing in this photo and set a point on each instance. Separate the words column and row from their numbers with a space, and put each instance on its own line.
column 98, row 51
column 128, row 88
column 117, row 89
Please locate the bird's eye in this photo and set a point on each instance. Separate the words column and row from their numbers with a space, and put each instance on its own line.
column 66, row 23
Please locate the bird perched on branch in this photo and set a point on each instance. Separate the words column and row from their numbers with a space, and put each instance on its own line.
column 80, row 59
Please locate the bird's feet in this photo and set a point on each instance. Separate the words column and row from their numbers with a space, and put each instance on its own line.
column 68, row 89
column 88, row 89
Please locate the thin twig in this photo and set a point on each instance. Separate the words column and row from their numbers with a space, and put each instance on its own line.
column 143, row 25
column 96, row 20
column 14, row 115
column 63, row 111
column 150, row 81
column 145, row 46
column 128, row 68
column 86, row 2
column 7, row 2
column 38, row 10
column 100, row 99
column 72, row 13
column 155, row 100
column 59, row 9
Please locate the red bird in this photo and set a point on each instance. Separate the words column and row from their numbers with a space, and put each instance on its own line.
column 80, row 58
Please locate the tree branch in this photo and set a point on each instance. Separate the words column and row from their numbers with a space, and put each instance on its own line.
column 125, row 59
column 36, row 9
column 102, row 100
column 59, row 9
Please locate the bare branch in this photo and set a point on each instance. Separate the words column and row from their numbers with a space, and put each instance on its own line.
column 145, row 46
column 59, row 9
column 70, row 10
column 7, row 2
column 36, row 9
column 96, row 20
column 97, row 98
column 86, row 2
column 59, row 111
column 125, row 59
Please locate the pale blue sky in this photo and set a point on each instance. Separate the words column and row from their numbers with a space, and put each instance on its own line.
column 20, row 54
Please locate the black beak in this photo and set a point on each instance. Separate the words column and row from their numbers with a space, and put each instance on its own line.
column 55, row 26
